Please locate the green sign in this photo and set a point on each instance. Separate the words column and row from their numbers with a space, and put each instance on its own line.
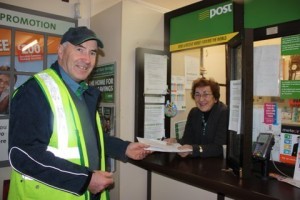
column 290, row 45
column 103, row 78
column 33, row 22
column 290, row 89
column 261, row 13
column 208, row 22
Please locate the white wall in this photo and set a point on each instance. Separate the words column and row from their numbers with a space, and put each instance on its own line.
column 141, row 27
column 107, row 25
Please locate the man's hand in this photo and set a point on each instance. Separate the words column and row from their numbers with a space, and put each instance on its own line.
column 99, row 181
column 136, row 151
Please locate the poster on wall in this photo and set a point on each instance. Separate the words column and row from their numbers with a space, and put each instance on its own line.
column 28, row 32
column 3, row 139
column 178, row 92
column 103, row 77
column 107, row 116
column 290, row 137
column 155, row 74
column 289, row 92
column 5, row 76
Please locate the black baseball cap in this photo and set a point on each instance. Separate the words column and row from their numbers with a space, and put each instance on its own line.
column 78, row 35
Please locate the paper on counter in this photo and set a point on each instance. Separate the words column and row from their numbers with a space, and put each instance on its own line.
column 158, row 145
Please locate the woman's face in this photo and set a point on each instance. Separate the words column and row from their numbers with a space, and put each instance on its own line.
column 4, row 82
column 204, row 98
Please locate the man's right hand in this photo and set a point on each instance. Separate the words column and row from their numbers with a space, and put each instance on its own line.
column 99, row 181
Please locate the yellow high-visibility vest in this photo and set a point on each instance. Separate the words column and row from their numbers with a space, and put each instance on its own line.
column 67, row 142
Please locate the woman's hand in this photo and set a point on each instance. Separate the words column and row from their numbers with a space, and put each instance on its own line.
column 170, row 140
column 185, row 147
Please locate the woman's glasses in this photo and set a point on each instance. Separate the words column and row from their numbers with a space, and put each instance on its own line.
column 204, row 95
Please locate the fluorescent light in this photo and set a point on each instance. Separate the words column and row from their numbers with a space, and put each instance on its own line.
column 34, row 42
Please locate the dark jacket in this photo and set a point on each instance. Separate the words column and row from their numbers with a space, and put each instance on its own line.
column 216, row 131
column 30, row 129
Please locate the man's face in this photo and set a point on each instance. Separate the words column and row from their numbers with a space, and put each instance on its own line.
column 78, row 61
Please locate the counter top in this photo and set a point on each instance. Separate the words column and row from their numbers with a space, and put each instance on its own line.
column 209, row 174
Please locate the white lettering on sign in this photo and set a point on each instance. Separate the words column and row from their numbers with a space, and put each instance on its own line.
column 220, row 10
column 36, row 49
column 4, row 45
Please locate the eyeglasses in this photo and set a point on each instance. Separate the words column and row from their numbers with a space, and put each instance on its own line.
column 204, row 95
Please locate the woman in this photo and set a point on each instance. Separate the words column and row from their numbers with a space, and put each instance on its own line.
column 207, row 123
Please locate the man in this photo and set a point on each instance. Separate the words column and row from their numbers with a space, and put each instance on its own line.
column 56, row 144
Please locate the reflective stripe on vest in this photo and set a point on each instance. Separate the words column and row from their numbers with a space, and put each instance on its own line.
column 66, row 129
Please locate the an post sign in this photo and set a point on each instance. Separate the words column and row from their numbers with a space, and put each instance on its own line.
column 103, row 78
column 212, row 21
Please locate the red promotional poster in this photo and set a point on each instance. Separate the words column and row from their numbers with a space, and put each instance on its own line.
column 29, row 46
column 5, row 42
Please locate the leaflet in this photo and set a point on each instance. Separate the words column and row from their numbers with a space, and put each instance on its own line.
column 162, row 146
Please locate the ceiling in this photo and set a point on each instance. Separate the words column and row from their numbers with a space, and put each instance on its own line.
column 159, row 5
column 169, row 4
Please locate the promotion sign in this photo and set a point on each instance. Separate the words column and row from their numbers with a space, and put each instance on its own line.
column 32, row 22
column 103, row 78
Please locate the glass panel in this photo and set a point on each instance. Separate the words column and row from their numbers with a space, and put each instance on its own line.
column 52, row 45
column 29, row 52
column 5, row 76
column 5, row 46
column 277, row 108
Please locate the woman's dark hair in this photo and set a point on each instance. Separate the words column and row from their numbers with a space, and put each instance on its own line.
column 202, row 82
column 7, row 68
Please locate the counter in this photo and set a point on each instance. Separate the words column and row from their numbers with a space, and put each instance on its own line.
column 209, row 174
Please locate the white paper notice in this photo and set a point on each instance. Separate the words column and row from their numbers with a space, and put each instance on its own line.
column 266, row 70
column 155, row 74
column 154, row 125
column 235, row 106
column 157, row 145
column 154, row 99
column 178, row 92
column 192, row 70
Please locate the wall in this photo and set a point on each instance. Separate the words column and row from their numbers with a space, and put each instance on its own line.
column 110, row 34
column 141, row 27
